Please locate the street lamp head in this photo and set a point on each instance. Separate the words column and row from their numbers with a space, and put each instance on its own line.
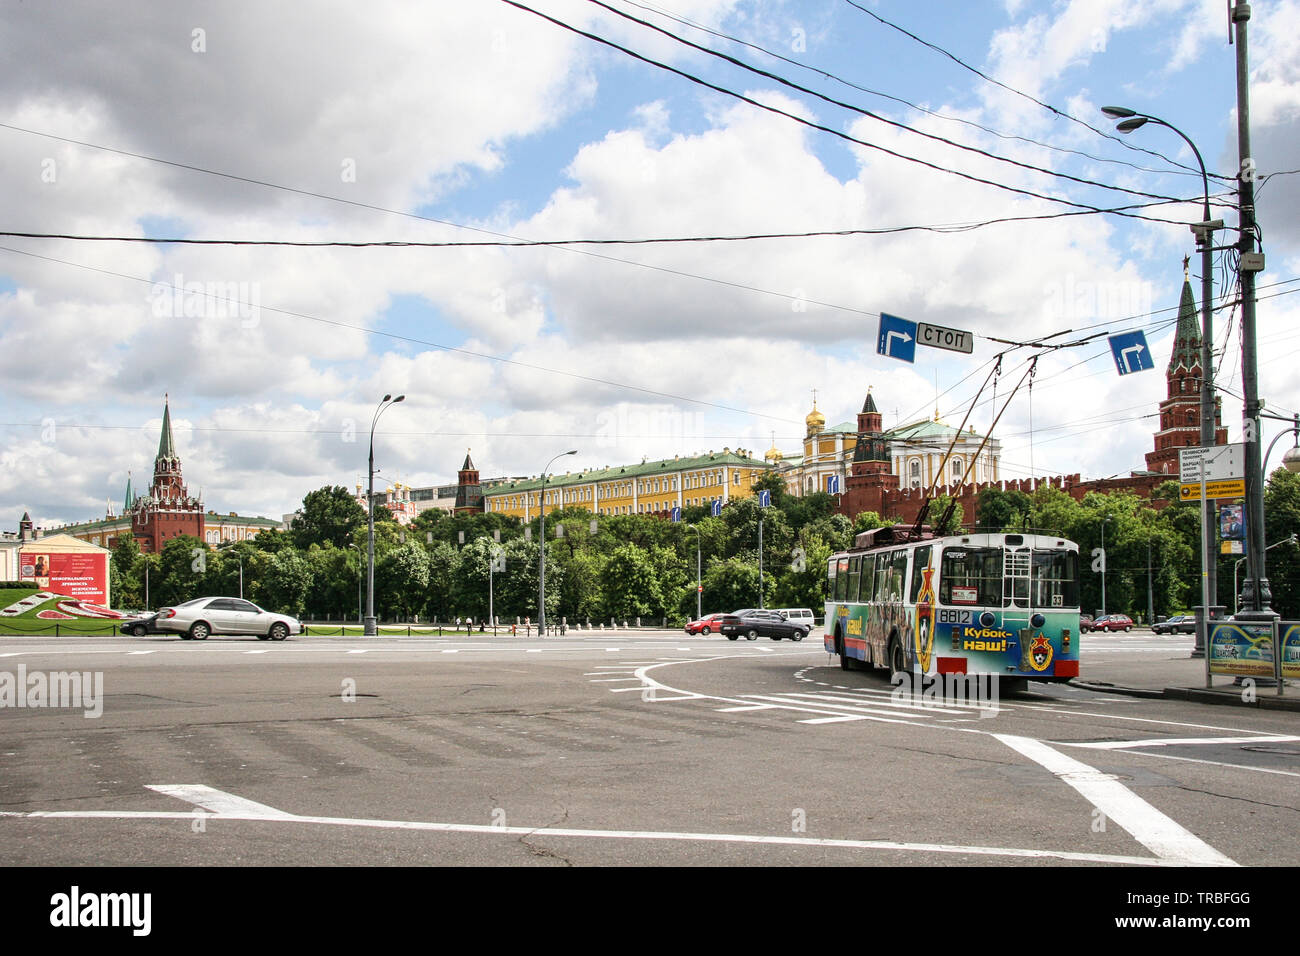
column 1291, row 460
column 1129, row 125
column 399, row 398
column 388, row 398
column 1118, row 112
column 574, row 452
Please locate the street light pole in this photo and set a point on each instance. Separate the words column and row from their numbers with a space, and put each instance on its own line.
column 369, row 627
column 541, row 549
column 1204, row 232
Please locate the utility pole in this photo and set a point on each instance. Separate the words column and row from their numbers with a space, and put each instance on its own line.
column 1256, row 595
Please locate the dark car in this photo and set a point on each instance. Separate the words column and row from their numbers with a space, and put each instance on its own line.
column 1178, row 624
column 1113, row 622
column 752, row 624
column 707, row 624
column 1085, row 623
column 138, row 625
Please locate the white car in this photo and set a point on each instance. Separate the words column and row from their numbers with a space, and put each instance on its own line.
column 195, row 620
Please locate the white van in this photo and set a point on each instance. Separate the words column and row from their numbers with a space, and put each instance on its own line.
column 798, row 615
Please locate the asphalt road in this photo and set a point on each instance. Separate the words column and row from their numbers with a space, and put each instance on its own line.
column 655, row 749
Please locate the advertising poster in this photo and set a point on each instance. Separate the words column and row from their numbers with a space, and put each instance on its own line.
column 1289, row 641
column 81, row 576
column 1241, row 650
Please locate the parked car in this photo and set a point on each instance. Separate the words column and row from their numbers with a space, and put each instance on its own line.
column 195, row 620
column 138, row 625
column 707, row 624
column 1085, row 623
column 753, row 624
column 1178, row 624
column 1113, row 622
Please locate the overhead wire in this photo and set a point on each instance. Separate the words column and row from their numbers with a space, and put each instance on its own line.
column 1033, row 99
column 686, row 21
column 767, row 74
column 700, row 81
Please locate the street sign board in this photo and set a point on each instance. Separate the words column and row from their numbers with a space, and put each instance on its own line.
column 1222, row 463
column 1231, row 488
column 897, row 339
column 937, row 337
column 1131, row 352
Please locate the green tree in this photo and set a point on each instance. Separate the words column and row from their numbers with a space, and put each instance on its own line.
column 631, row 584
column 285, row 583
column 182, row 571
column 329, row 515
column 402, row 575
column 997, row 510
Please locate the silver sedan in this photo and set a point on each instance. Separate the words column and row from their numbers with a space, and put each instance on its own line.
column 195, row 620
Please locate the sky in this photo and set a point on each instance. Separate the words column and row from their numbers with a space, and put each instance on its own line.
column 483, row 122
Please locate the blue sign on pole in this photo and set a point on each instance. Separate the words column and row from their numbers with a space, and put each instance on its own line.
column 833, row 484
column 717, row 507
column 765, row 499
column 1131, row 352
column 897, row 339
column 677, row 513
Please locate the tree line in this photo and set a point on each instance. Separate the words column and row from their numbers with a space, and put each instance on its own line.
column 622, row 567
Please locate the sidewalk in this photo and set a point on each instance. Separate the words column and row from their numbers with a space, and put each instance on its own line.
column 1178, row 677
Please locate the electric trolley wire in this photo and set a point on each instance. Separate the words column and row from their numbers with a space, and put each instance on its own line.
column 687, row 22
column 1010, row 89
column 827, row 129
column 767, row 74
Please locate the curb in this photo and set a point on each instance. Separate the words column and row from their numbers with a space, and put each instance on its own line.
column 1119, row 689
column 1265, row 698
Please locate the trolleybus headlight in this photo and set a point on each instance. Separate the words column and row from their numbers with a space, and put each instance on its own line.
column 1037, row 620
column 987, row 619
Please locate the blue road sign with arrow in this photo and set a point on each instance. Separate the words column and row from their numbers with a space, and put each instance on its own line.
column 897, row 338
column 1131, row 352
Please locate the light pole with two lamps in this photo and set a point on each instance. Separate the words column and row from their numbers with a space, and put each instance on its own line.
column 369, row 624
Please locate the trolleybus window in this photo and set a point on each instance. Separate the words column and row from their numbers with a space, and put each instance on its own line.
column 920, row 561
column 971, row 576
column 841, row 578
column 1056, row 579
column 854, row 577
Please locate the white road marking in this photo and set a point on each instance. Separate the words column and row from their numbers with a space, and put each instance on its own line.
column 1157, row 832
column 257, row 652
column 226, row 806
column 219, row 802
column 1172, row 741
column 130, row 653
column 362, row 650
column 829, row 720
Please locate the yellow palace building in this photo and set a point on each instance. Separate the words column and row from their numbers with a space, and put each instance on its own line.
column 650, row 488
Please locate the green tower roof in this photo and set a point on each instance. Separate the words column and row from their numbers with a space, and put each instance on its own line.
column 1187, row 340
column 166, row 444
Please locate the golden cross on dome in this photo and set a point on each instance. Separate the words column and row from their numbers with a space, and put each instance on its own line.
column 1186, row 261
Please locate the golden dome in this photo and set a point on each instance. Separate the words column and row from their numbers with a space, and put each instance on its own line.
column 773, row 454
column 815, row 421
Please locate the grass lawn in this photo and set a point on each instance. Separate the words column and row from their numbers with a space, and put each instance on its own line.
column 29, row 623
